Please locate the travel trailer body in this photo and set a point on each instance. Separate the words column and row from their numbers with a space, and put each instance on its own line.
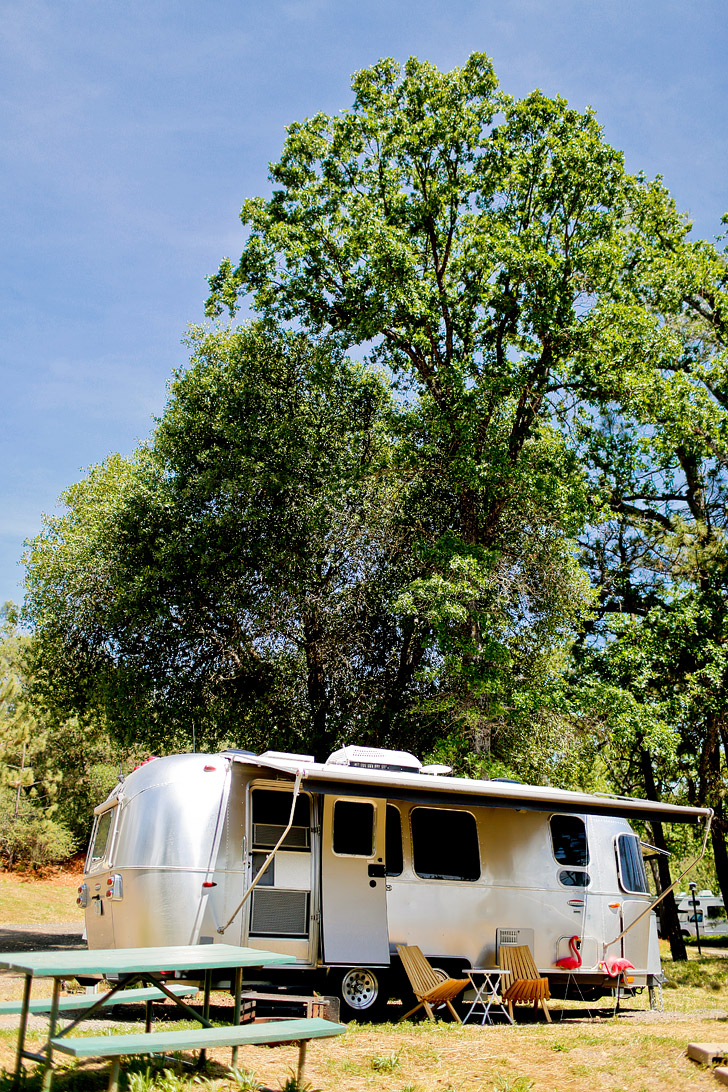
column 709, row 911
column 373, row 851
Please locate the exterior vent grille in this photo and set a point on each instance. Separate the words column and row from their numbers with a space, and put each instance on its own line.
column 267, row 835
column 511, row 936
column 277, row 913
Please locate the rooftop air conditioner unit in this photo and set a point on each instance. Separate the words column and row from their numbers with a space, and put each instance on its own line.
column 374, row 758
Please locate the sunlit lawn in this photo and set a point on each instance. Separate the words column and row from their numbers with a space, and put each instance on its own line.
column 584, row 1048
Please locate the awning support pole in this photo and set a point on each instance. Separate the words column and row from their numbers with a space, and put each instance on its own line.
column 667, row 890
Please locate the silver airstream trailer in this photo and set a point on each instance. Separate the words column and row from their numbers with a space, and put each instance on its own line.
column 336, row 863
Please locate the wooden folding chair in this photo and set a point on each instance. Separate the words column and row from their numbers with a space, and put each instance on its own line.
column 525, row 983
column 427, row 984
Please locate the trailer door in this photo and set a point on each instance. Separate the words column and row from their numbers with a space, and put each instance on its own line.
column 353, row 884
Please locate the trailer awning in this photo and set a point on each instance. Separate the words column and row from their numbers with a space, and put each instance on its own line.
column 431, row 789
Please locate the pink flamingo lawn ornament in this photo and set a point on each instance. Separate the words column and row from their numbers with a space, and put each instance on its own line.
column 571, row 962
column 615, row 965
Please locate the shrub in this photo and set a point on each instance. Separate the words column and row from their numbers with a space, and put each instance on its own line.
column 29, row 837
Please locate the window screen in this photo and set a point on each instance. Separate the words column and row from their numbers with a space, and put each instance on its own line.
column 354, row 828
column 271, row 812
column 394, row 841
column 101, row 840
column 568, row 837
column 445, row 844
column 632, row 875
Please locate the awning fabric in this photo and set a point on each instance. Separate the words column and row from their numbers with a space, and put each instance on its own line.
column 448, row 791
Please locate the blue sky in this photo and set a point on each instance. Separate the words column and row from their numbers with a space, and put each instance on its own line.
column 131, row 132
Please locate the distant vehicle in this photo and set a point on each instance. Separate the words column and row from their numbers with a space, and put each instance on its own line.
column 709, row 910
column 337, row 863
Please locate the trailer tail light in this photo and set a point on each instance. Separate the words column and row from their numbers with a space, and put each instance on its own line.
column 209, row 883
column 82, row 899
column 209, row 769
column 114, row 887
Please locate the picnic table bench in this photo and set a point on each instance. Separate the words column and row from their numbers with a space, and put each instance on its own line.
column 165, row 1042
column 77, row 1001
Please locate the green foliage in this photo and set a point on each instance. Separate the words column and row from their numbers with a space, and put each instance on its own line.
column 231, row 582
column 28, row 837
column 502, row 1083
column 292, row 1084
column 386, row 1063
column 511, row 553
column 245, row 1080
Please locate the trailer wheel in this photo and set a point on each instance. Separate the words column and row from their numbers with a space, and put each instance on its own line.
column 362, row 995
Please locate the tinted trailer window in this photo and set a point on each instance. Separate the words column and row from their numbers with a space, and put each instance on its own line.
column 445, row 844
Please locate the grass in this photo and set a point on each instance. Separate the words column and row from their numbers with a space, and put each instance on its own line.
column 48, row 900
column 635, row 1052
column 585, row 1047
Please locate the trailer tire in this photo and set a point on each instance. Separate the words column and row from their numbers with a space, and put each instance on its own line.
column 363, row 994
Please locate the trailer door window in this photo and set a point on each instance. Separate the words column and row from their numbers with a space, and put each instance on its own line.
column 394, row 857
column 445, row 844
column 632, row 875
column 354, row 828
column 568, row 837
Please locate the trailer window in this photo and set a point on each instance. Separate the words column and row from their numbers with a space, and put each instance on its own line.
column 568, row 837
column 394, row 857
column 101, row 841
column 271, row 812
column 445, row 844
column 354, row 828
column 571, row 877
column 632, row 875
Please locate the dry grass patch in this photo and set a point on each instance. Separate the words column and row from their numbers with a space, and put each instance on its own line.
column 30, row 900
column 616, row 1055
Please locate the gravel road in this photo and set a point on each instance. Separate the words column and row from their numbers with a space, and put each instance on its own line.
column 24, row 938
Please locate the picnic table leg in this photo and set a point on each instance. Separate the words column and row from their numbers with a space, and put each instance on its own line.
column 301, row 1061
column 52, row 1021
column 238, row 988
column 206, row 1012
column 148, row 1015
column 114, row 1075
column 22, row 1029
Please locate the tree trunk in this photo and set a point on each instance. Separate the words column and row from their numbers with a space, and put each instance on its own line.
column 316, row 686
column 712, row 784
column 667, row 910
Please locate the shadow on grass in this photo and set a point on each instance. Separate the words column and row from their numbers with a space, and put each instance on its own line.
column 140, row 1074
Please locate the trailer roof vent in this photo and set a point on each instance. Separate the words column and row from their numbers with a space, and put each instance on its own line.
column 373, row 758
column 288, row 758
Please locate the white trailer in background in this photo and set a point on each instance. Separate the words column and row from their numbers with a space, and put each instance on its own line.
column 366, row 851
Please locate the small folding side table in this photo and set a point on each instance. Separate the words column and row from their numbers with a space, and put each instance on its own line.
column 487, row 984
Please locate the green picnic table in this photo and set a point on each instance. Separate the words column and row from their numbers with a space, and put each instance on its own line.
column 145, row 965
